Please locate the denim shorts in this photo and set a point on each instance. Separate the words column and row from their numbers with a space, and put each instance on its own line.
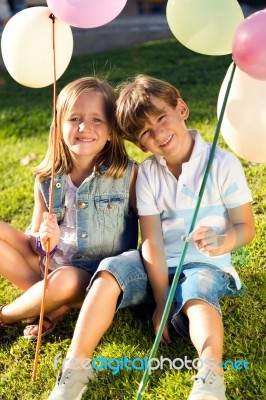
column 197, row 281
column 129, row 271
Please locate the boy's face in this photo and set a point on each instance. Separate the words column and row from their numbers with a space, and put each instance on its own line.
column 166, row 134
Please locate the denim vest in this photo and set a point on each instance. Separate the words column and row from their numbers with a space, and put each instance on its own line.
column 106, row 225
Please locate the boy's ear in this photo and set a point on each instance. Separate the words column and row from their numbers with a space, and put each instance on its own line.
column 183, row 108
column 143, row 148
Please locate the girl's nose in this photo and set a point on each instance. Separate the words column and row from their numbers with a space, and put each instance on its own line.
column 83, row 126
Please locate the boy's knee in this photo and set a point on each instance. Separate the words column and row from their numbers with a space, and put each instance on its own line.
column 196, row 307
column 194, row 304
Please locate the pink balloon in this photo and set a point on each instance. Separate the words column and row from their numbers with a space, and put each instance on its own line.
column 86, row 13
column 249, row 45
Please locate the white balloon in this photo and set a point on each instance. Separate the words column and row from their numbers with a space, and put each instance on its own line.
column 244, row 122
column 204, row 26
column 27, row 47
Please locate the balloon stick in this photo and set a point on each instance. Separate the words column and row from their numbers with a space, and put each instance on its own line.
column 51, row 198
column 169, row 301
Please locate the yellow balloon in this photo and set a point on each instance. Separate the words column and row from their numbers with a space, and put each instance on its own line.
column 204, row 26
column 244, row 122
column 27, row 47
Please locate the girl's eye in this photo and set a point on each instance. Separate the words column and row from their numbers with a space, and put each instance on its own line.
column 74, row 119
column 161, row 117
column 97, row 120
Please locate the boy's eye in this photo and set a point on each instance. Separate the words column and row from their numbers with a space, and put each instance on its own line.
column 161, row 117
column 143, row 133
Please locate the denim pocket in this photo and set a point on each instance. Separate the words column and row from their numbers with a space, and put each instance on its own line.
column 109, row 209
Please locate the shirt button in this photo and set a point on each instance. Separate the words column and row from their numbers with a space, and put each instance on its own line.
column 81, row 205
column 58, row 214
column 83, row 235
column 58, row 185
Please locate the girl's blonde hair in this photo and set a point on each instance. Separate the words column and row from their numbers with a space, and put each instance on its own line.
column 113, row 155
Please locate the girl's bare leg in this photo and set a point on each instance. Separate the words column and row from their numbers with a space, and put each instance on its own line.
column 66, row 285
column 95, row 317
column 18, row 262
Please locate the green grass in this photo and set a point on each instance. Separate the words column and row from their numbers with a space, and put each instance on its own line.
column 25, row 115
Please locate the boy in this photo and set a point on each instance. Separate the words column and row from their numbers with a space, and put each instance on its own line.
column 152, row 115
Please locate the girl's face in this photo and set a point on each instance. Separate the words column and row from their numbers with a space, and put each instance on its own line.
column 85, row 129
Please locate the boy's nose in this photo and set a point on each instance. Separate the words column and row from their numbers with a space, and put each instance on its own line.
column 157, row 131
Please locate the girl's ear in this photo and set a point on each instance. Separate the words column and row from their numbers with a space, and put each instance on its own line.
column 182, row 108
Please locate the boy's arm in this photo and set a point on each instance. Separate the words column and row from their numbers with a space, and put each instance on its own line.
column 242, row 232
column 156, row 267
column 132, row 188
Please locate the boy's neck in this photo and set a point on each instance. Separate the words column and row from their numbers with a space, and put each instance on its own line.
column 175, row 165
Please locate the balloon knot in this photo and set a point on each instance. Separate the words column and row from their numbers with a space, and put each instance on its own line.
column 52, row 17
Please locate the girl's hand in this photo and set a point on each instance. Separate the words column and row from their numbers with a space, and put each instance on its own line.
column 207, row 241
column 49, row 229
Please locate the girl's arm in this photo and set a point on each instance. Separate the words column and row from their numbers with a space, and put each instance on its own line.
column 38, row 210
column 43, row 224
column 156, row 267
column 241, row 233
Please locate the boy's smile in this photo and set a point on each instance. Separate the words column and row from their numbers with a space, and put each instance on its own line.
column 168, row 140
column 165, row 134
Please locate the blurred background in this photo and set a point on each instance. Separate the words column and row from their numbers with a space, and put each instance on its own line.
column 140, row 21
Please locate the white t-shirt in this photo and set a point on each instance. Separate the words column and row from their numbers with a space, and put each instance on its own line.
column 68, row 243
column 160, row 193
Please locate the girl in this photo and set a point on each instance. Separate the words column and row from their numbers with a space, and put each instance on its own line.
column 93, row 216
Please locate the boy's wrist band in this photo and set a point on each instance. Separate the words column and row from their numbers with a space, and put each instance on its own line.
column 39, row 249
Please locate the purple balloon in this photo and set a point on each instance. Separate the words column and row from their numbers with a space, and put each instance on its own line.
column 86, row 13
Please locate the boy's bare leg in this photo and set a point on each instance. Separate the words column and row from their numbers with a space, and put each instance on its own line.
column 206, row 331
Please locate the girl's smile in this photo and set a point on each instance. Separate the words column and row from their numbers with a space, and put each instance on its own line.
column 85, row 130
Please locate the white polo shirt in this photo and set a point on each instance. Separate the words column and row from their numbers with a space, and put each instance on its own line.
column 160, row 193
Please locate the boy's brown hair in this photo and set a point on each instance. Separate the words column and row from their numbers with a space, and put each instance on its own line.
column 134, row 104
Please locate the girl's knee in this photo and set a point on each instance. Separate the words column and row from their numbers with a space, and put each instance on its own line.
column 68, row 284
column 4, row 229
column 107, row 281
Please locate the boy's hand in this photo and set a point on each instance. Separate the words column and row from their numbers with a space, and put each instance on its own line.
column 156, row 319
column 49, row 229
column 207, row 241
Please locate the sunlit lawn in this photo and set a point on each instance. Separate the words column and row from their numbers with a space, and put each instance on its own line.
column 25, row 115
